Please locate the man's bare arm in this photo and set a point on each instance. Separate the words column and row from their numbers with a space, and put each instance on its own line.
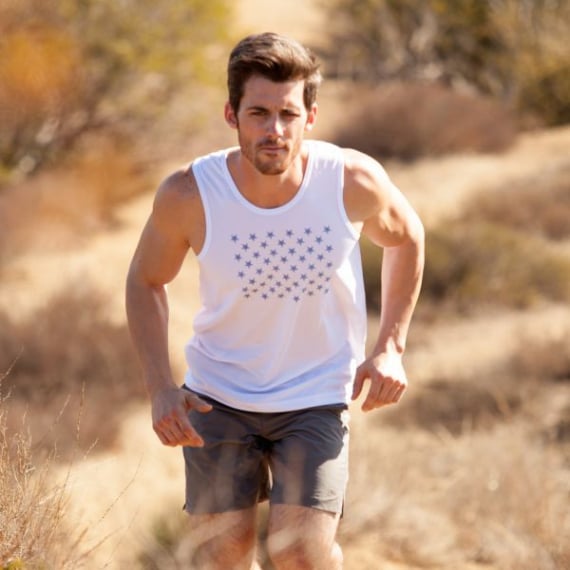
column 389, row 221
column 172, row 228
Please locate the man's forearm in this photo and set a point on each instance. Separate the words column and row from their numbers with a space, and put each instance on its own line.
column 402, row 270
column 147, row 314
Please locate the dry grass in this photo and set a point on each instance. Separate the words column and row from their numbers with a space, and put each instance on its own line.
column 66, row 353
column 538, row 205
column 490, row 497
column 35, row 532
column 469, row 471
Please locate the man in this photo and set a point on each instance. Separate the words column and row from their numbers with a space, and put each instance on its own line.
column 277, row 351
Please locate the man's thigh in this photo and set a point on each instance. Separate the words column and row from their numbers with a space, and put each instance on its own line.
column 230, row 472
column 309, row 458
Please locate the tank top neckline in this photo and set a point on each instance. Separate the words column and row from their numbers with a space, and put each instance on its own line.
column 279, row 209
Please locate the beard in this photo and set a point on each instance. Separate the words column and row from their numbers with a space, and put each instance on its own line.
column 271, row 157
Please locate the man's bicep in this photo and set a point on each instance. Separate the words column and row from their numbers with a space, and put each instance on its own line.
column 394, row 221
column 159, row 255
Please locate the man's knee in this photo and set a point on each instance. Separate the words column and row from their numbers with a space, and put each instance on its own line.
column 222, row 541
column 304, row 555
column 303, row 538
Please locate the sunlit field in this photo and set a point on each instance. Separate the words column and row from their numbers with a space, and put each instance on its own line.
column 471, row 471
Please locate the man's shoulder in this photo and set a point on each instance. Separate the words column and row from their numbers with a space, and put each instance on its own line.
column 179, row 185
column 177, row 197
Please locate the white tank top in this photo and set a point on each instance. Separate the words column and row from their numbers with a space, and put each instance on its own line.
column 283, row 318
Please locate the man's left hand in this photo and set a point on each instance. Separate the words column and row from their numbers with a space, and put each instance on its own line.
column 387, row 377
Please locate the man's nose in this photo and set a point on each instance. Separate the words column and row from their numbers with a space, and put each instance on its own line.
column 275, row 126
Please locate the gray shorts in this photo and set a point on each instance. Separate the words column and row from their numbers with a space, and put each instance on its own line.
column 295, row 458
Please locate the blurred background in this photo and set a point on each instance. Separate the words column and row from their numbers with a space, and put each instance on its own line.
column 467, row 105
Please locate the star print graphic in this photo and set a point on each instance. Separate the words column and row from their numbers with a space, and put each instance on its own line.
column 274, row 264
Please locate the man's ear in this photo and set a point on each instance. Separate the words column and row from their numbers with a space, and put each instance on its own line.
column 230, row 116
column 311, row 117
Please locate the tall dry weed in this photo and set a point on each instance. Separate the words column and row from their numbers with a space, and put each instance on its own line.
column 34, row 530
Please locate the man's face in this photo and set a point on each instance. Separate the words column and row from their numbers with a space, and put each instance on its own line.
column 271, row 123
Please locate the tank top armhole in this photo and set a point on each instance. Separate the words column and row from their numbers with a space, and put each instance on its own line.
column 195, row 169
column 340, row 198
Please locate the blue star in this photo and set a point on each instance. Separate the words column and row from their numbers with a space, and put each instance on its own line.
column 248, row 264
column 327, row 229
column 293, row 268
column 235, row 238
column 289, row 233
column 267, row 261
column 311, row 267
column 292, row 251
column 252, row 237
column 263, row 244
column 318, row 239
column 308, row 231
column 245, row 247
column 281, row 242
column 241, row 274
column 329, row 248
column 283, row 260
column 270, row 235
column 300, row 241
column 237, row 257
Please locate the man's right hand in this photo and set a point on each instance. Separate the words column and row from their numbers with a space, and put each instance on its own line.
column 170, row 421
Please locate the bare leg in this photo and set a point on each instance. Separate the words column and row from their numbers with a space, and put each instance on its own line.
column 222, row 540
column 301, row 538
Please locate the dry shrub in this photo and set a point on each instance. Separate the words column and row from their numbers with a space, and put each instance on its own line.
column 474, row 264
column 544, row 357
column 67, row 352
column 67, row 204
column 537, row 205
column 411, row 120
column 34, row 532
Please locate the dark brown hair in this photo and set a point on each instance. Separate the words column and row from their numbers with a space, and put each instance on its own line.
column 274, row 57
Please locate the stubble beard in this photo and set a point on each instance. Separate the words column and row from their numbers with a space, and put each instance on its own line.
column 270, row 166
